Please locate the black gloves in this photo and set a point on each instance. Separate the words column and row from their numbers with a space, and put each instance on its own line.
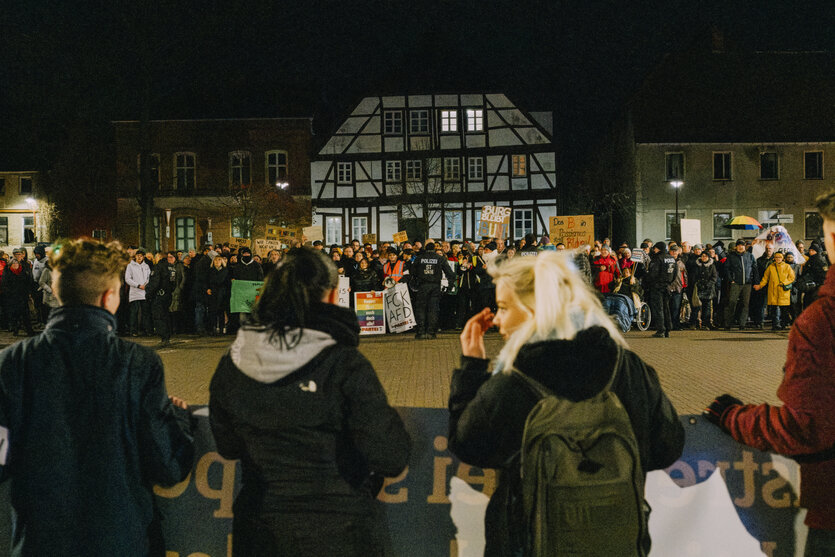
column 715, row 413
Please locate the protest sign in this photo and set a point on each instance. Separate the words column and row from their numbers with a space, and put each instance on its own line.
column 691, row 231
column 263, row 247
column 398, row 306
column 494, row 221
column 244, row 295
column 240, row 242
column 344, row 292
column 370, row 312
column 313, row 234
column 400, row 237
column 572, row 230
column 369, row 239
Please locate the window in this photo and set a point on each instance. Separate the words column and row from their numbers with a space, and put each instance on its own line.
column 241, row 227
column 454, row 225
column 4, row 230
column 184, row 167
column 720, row 219
column 333, row 230
column 240, row 168
column 414, row 171
column 519, row 166
column 99, row 234
column 185, row 233
column 449, row 121
column 2, row 186
column 359, row 227
column 344, row 173
column 522, row 223
column 475, row 168
column 156, row 234
column 452, row 169
column 419, row 121
column 814, row 225
column 813, row 165
column 671, row 220
column 25, row 185
column 721, row 166
column 154, row 173
column 768, row 166
column 393, row 171
column 475, row 120
column 675, row 166
column 28, row 230
column 276, row 167
column 393, row 122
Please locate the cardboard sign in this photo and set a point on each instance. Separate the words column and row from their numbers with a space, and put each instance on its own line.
column 691, row 231
column 369, row 239
column 400, row 237
column 313, row 234
column 344, row 292
column 240, row 242
column 572, row 230
column 398, row 307
column 494, row 221
column 370, row 312
column 244, row 295
column 263, row 247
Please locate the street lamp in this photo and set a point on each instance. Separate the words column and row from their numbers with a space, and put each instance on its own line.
column 676, row 228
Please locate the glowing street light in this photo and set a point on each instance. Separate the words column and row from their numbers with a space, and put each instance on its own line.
column 282, row 185
column 676, row 231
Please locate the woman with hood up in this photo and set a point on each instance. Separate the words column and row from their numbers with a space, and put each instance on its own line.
column 705, row 289
column 304, row 411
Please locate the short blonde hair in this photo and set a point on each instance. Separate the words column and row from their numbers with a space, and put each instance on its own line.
column 85, row 269
column 554, row 295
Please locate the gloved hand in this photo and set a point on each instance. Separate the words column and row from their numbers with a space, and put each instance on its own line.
column 715, row 412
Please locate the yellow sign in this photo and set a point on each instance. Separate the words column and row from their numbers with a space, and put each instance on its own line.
column 572, row 230
column 263, row 247
column 369, row 238
column 239, row 242
column 313, row 233
column 401, row 237
column 494, row 221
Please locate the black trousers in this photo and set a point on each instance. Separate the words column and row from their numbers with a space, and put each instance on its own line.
column 427, row 308
column 162, row 318
column 659, row 305
column 467, row 305
column 140, row 317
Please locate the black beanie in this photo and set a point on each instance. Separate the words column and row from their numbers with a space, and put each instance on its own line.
column 661, row 246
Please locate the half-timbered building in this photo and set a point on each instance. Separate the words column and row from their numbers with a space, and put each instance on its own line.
column 429, row 163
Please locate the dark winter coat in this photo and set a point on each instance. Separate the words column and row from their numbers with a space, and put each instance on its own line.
column 704, row 278
column 90, row 430
column 488, row 413
column 201, row 278
column 314, row 433
column 365, row 281
column 218, row 283
column 16, row 287
column 251, row 270
column 661, row 271
column 816, row 267
column 741, row 268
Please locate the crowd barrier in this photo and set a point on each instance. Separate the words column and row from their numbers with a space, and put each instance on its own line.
column 436, row 507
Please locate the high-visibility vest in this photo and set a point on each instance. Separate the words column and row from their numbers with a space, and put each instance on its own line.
column 396, row 273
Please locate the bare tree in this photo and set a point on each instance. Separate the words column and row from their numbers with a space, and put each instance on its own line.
column 254, row 206
column 421, row 194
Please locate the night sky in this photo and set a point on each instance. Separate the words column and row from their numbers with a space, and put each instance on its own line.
column 68, row 63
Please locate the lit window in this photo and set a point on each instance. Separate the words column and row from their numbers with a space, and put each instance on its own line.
column 419, row 121
column 333, row 230
column 241, row 227
column 721, row 166
column 522, row 222
column 414, row 170
column 4, row 230
column 99, row 234
column 675, row 166
column 240, row 168
column 393, row 171
column 452, row 169
column 185, row 233
column 520, row 166
column 475, row 168
column 475, row 120
column 156, row 233
column 454, row 225
column 28, row 230
column 449, row 121
column 359, row 227
column 184, row 165
column 344, row 173
column 25, row 185
column 813, row 165
column 768, row 166
column 720, row 219
column 276, row 167
column 393, row 122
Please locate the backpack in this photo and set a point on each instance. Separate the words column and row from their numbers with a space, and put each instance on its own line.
column 582, row 482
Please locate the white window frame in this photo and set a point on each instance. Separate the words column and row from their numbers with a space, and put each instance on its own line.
column 4, row 231
column 99, row 234
column 414, row 170
column 475, row 168
column 359, row 227
column 31, row 227
column 805, row 171
column 452, row 168
column 449, row 121
column 419, row 121
column 806, row 214
column 727, row 231
column 668, row 175
column 683, row 215
column 185, row 168
column 730, row 169
column 394, row 171
column 518, row 170
column 31, row 182
column 333, row 229
column 523, row 215
column 475, row 120
column 237, row 226
column 777, row 160
column 186, row 241
column 344, row 173
column 240, row 162
column 281, row 171
column 392, row 122
column 454, row 225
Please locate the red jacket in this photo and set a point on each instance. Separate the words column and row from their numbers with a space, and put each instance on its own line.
column 805, row 423
column 603, row 278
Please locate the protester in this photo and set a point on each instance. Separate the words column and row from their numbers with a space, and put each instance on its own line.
column 16, row 285
column 166, row 280
column 296, row 401
column 661, row 273
column 365, row 279
column 90, row 426
column 557, row 333
column 217, row 296
column 814, row 272
column 137, row 276
column 49, row 300
column 804, row 426
column 741, row 273
column 606, row 270
column 779, row 278
column 704, row 290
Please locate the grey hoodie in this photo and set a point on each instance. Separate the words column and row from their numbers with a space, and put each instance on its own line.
column 260, row 354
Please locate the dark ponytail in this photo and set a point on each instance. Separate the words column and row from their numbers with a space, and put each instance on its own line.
column 292, row 290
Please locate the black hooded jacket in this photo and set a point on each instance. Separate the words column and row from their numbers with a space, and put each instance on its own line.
column 488, row 414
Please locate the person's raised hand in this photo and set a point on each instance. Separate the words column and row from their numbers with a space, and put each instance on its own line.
column 178, row 402
column 472, row 338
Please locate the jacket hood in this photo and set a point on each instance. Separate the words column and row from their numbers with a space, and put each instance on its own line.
column 701, row 263
column 261, row 355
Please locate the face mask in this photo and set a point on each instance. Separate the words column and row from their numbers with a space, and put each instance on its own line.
column 246, row 258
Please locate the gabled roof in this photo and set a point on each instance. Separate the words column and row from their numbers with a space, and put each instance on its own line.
column 712, row 97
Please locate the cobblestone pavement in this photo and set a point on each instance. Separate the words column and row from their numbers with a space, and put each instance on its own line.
column 694, row 366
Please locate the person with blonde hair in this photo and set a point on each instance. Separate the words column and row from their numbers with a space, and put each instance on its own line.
column 557, row 333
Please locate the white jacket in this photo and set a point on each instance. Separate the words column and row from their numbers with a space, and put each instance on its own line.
column 136, row 275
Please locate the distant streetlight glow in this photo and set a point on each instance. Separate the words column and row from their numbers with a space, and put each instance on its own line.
column 282, row 185
column 31, row 202
column 676, row 235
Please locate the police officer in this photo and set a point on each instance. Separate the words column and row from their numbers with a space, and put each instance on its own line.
column 167, row 276
column 426, row 274
column 660, row 275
